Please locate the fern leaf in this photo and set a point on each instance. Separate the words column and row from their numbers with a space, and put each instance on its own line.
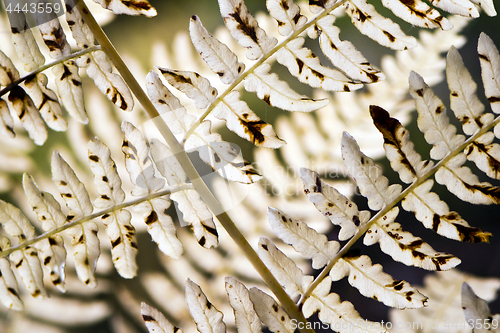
column 6, row 121
column 307, row 241
column 245, row 29
column 9, row 294
column 305, row 66
column 402, row 246
column 435, row 214
column 270, row 313
column 418, row 13
column 106, row 178
column 97, row 64
column 8, row 72
column 26, row 260
column 194, row 210
column 155, row 321
column 138, row 162
column 109, row 83
column 217, row 55
column 169, row 106
column 240, row 119
column 438, row 131
column 477, row 311
column 80, row 31
column 120, row 231
column 458, row 7
column 69, row 89
column 463, row 98
column 277, row 93
column 72, row 190
column 48, row 212
column 382, row 30
column 46, row 102
column 129, row 7
column 53, row 256
column 221, row 155
column 490, row 70
column 341, row 316
column 487, row 6
column 141, row 170
column 398, row 146
column 244, row 122
column 283, row 268
column 161, row 227
column 193, row 85
column 466, row 185
column 371, row 281
column 207, row 318
column 53, row 35
column 28, row 115
column 317, row 6
column 432, row 119
column 485, row 156
column 340, row 210
column 21, row 102
column 245, row 316
column 369, row 177
column 85, row 242
column 344, row 55
column 24, row 43
column 287, row 14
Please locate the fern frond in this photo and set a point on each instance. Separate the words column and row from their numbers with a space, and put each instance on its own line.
column 141, row 170
column 9, row 294
column 155, row 321
column 244, row 313
column 369, row 22
column 477, row 312
column 307, row 241
column 339, row 315
column 217, row 55
column 269, row 312
column 207, row 318
column 129, row 7
column 26, row 261
column 443, row 289
column 194, row 210
column 120, row 231
column 338, row 208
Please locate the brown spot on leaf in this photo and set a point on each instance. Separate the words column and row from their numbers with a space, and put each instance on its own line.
column 153, row 217
column 243, row 25
column 94, row 158
column 147, row 318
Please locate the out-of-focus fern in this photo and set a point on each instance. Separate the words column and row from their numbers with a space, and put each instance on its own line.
column 160, row 170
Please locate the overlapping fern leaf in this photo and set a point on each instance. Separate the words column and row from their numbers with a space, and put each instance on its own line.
column 146, row 159
column 449, row 149
column 29, row 252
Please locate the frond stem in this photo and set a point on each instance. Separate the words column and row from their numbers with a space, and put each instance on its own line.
column 249, row 71
column 388, row 207
column 47, row 66
column 192, row 174
column 110, row 210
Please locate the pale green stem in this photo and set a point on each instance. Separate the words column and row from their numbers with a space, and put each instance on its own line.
column 47, row 66
column 387, row 208
column 93, row 216
column 197, row 182
column 264, row 58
